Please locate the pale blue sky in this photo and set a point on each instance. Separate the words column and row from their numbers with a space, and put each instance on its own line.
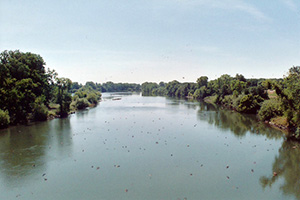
column 155, row 40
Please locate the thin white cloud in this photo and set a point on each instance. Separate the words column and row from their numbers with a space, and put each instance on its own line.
column 251, row 10
column 236, row 5
column 290, row 4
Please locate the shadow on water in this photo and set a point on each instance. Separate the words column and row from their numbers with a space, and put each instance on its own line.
column 224, row 119
column 24, row 149
column 63, row 134
column 286, row 166
column 112, row 95
column 239, row 124
column 22, row 152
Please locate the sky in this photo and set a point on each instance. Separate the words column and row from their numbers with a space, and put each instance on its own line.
column 155, row 40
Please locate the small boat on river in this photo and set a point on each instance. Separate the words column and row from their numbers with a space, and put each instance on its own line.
column 115, row 99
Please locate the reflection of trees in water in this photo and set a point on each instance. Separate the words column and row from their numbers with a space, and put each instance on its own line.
column 81, row 113
column 23, row 149
column 174, row 101
column 238, row 123
column 287, row 167
column 63, row 134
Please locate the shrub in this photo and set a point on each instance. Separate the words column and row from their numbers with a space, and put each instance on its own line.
column 4, row 119
column 235, row 93
column 269, row 109
column 161, row 91
column 75, row 97
column 200, row 93
column 249, row 104
column 227, row 101
column 236, row 101
column 40, row 112
column 92, row 98
column 81, row 103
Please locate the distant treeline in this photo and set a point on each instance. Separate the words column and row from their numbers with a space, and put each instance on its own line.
column 109, row 87
column 274, row 100
column 224, row 85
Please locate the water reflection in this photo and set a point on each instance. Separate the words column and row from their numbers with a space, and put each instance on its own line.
column 286, row 166
column 239, row 124
column 174, row 102
column 63, row 134
column 22, row 152
column 68, row 151
column 112, row 95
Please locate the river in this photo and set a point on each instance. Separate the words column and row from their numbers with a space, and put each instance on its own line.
column 148, row 148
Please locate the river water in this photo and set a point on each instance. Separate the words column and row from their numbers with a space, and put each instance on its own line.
column 143, row 148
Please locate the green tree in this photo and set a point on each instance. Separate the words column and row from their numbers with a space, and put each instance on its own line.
column 171, row 88
column 91, row 84
column 75, row 86
column 269, row 109
column 4, row 119
column 63, row 97
column 23, row 78
column 148, row 87
column 40, row 111
column 202, row 81
column 200, row 93
column 249, row 103
column 240, row 77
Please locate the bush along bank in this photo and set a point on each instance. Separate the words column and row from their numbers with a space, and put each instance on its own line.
column 85, row 97
column 274, row 101
column 29, row 92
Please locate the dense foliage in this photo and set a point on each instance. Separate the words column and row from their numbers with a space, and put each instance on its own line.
column 63, row 96
column 108, row 87
column 276, row 100
column 120, row 87
column 234, row 92
column 85, row 96
column 4, row 119
column 270, row 108
column 23, row 79
column 29, row 92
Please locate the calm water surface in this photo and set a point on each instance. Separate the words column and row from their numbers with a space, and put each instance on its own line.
column 142, row 148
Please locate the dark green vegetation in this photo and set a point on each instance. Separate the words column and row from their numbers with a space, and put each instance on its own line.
column 120, row 87
column 274, row 100
column 29, row 92
column 108, row 87
column 84, row 97
column 26, row 87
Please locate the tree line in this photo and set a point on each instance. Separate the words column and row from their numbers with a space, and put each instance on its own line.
column 29, row 92
column 276, row 101
column 109, row 87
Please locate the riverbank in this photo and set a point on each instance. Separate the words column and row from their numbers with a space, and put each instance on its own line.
column 278, row 122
